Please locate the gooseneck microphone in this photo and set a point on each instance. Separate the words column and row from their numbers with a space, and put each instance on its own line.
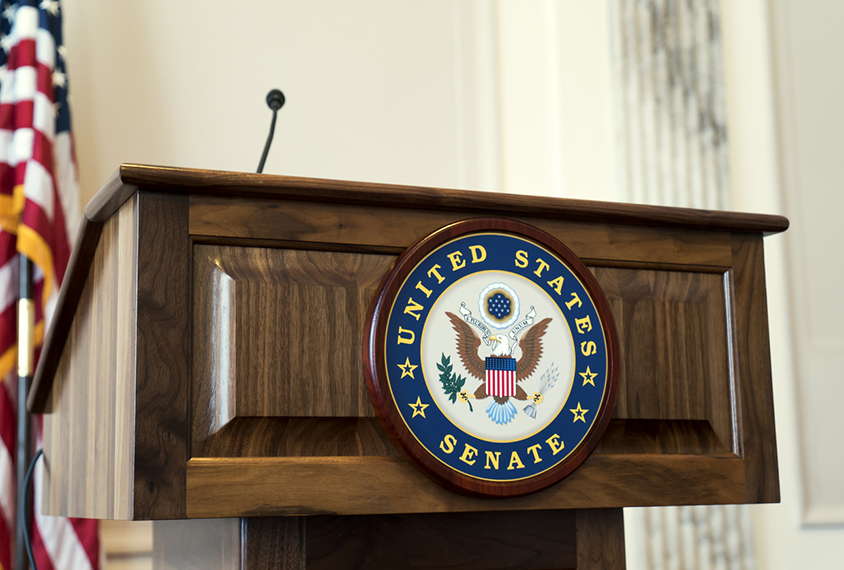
column 275, row 100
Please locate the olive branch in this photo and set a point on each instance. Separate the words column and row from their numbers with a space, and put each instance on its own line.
column 452, row 383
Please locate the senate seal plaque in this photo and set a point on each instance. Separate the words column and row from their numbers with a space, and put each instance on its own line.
column 491, row 357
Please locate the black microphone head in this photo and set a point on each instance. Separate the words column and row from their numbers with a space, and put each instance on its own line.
column 275, row 99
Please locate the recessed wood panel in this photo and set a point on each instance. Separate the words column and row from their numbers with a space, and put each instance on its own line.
column 278, row 334
column 349, row 437
column 673, row 332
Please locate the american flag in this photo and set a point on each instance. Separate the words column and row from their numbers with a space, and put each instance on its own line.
column 500, row 376
column 39, row 213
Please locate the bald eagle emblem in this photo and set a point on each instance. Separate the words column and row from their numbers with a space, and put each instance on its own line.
column 500, row 361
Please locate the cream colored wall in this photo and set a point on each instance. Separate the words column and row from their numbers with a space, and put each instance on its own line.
column 807, row 46
column 767, row 127
column 376, row 90
column 370, row 87
column 557, row 134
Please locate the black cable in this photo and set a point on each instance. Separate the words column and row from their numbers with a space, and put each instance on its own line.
column 267, row 144
column 275, row 100
column 22, row 509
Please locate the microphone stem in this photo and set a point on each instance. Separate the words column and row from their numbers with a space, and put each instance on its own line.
column 269, row 141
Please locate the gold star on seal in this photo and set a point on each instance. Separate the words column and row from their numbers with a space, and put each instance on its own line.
column 588, row 376
column 578, row 413
column 407, row 368
column 419, row 408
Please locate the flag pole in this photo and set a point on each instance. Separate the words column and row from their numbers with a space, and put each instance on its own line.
column 26, row 355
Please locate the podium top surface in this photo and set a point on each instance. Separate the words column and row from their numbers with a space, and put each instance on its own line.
column 130, row 177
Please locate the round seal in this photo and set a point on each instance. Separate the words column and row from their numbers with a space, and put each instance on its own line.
column 491, row 357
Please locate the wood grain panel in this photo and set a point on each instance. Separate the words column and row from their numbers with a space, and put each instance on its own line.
column 600, row 539
column 481, row 541
column 381, row 226
column 89, row 427
column 78, row 266
column 163, row 356
column 753, row 355
column 277, row 543
column 298, row 328
column 674, row 346
column 381, row 485
column 277, row 333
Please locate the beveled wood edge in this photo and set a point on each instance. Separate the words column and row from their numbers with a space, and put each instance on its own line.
column 130, row 177
column 223, row 487
column 109, row 198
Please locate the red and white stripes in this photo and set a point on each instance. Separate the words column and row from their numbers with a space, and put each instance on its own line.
column 39, row 212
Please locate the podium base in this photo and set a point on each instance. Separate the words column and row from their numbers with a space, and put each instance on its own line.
column 583, row 539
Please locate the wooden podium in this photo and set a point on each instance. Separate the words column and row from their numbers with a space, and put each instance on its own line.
column 205, row 366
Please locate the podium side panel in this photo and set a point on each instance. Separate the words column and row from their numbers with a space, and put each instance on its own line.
column 90, row 419
column 753, row 357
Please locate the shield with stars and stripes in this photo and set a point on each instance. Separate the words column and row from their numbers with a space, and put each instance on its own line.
column 500, row 376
